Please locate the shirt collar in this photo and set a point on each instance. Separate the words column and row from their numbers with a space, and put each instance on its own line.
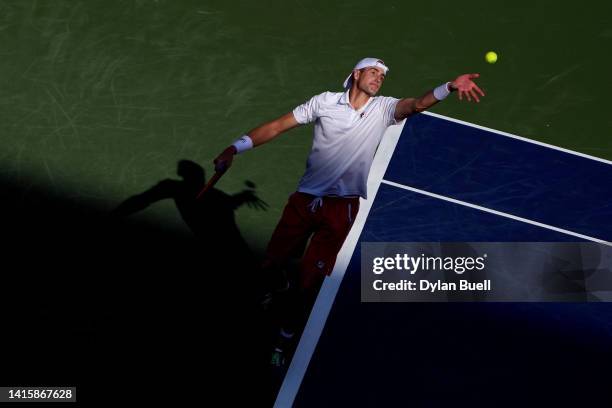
column 344, row 100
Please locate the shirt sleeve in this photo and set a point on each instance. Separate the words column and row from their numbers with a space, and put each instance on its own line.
column 308, row 111
column 388, row 105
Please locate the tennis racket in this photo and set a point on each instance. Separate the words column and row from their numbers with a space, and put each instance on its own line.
column 211, row 183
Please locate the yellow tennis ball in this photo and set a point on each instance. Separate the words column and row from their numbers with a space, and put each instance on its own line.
column 491, row 57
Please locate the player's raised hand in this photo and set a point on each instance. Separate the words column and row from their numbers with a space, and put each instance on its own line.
column 224, row 160
column 465, row 86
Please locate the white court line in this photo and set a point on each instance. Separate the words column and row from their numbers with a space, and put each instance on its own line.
column 524, row 139
column 327, row 294
column 500, row 213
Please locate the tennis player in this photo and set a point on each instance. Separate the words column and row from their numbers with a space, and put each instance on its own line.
column 348, row 126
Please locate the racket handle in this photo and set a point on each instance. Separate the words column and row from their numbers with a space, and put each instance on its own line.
column 211, row 183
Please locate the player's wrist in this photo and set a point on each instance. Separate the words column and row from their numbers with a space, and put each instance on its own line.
column 442, row 92
column 242, row 144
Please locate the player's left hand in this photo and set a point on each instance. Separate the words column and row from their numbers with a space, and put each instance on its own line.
column 465, row 86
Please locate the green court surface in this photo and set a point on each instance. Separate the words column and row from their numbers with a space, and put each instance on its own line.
column 99, row 100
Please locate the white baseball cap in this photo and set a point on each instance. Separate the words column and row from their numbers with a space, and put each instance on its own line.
column 365, row 63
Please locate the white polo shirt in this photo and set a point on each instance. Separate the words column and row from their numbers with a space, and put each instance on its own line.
column 345, row 141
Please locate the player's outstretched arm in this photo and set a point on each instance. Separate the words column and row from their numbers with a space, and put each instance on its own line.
column 463, row 84
column 164, row 189
column 260, row 135
column 270, row 130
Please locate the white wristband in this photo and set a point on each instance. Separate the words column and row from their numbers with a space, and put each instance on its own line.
column 441, row 92
column 243, row 144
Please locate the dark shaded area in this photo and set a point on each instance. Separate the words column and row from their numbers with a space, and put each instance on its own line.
column 124, row 309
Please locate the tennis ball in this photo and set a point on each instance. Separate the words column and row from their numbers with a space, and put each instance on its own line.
column 491, row 57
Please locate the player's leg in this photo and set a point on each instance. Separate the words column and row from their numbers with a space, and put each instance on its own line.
column 296, row 304
column 334, row 221
column 288, row 241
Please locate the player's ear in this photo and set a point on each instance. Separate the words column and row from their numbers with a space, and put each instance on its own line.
column 356, row 75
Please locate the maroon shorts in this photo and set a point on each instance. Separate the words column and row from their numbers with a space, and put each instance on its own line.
column 327, row 225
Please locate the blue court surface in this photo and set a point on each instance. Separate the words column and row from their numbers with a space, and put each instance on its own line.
column 436, row 179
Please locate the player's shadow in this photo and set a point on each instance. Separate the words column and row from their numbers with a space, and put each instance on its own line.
column 211, row 291
column 211, row 217
column 127, row 300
